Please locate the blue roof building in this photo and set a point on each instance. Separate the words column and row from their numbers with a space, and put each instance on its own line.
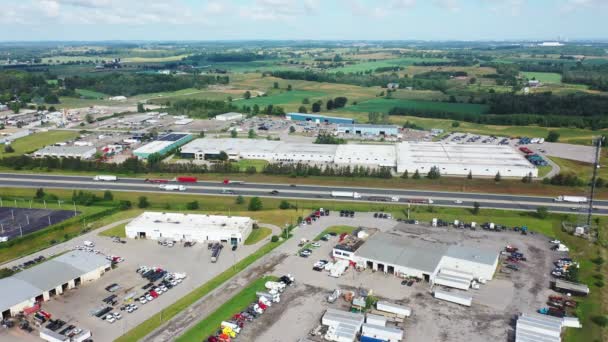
column 318, row 118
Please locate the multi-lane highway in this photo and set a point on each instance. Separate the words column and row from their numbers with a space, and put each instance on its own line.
column 304, row 192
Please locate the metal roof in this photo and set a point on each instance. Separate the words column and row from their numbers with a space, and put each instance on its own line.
column 478, row 255
column 32, row 282
column 416, row 254
column 318, row 116
column 341, row 126
column 62, row 150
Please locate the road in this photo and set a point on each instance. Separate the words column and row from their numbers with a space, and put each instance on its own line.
column 302, row 192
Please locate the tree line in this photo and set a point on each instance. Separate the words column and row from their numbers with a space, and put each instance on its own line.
column 305, row 170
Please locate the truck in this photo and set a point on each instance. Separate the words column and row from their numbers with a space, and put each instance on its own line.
column 215, row 251
column 383, row 198
column 571, row 199
column 228, row 181
column 345, row 194
column 420, row 201
column 156, row 181
column 453, row 297
column 105, row 178
column 172, row 187
column 186, row 179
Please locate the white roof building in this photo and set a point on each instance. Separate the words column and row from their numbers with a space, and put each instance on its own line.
column 358, row 154
column 190, row 227
column 74, row 151
column 232, row 116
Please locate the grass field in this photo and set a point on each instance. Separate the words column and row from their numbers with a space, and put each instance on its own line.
column 543, row 77
column 258, row 235
column 582, row 170
column 115, row 231
column 153, row 59
column 91, row 94
column 384, row 105
column 363, row 66
column 239, row 302
column 246, row 163
column 36, row 141
column 335, row 229
column 282, row 99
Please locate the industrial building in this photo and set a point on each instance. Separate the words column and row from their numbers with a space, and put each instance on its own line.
column 163, row 144
column 316, row 118
column 417, row 258
column 367, row 129
column 190, row 227
column 232, row 116
column 343, row 325
column 460, row 159
column 25, row 289
column 74, row 151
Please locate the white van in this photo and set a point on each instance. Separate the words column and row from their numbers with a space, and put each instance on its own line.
column 89, row 244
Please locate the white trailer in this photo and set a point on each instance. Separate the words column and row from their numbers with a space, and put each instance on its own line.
column 453, row 297
column 105, row 178
column 375, row 320
column 348, row 194
column 398, row 310
column 457, row 282
column 383, row 333
column 571, row 199
column 338, row 268
column 172, row 187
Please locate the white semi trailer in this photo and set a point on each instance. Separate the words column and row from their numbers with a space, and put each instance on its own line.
column 571, row 199
column 105, row 178
column 348, row 194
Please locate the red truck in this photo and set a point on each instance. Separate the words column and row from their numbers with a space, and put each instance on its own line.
column 186, row 179
column 156, row 181
column 525, row 150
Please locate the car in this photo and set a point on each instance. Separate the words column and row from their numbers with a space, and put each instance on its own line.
column 375, row 215
column 234, row 247
column 292, row 185
column 143, row 300
column 457, row 202
column 315, row 244
column 134, row 307
column 305, row 253
column 555, row 241
column 129, row 309
column 149, row 298
column 158, row 290
column 274, row 192
column 118, row 316
column 110, row 318
column 325, row 237
column 513, row 267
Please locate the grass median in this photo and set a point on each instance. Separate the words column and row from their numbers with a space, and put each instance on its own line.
column 183, row 303
column 209, row 325
column 258, row 235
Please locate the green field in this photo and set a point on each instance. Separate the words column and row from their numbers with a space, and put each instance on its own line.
column 246, row 163
column 115, row 231
column 544, row 77
column 36, row 141
column 384, row 105
column 363, row 66
column 258, row 235
column 335, row 229
column 91, row 94
column 286, row 97
column 239, row 302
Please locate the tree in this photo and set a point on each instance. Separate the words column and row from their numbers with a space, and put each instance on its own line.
column 284, row 205
column 247, row 95
column 255, row 204
column 276, row 85
column 289, row 87
column 497, row 178
column 416, row 175
column 40, row 193
column 89, row 118
column 316, row 107
column 233, row 133
column 470, row 176
column 251, row 134
column 302, row 109
column 8, row 148
column 340, row 101
column 274, row 238
column 405, row 175
column 107, row 195
column 192, row 205
column 140, row 108
column 475, row 210
column 292, row 129
column 223, row 156
column 455, row 124
column 330, row 104
column 434, row 173
column 305, row 100
column 229, row 98
column 553, row 136
column 201, row 134
column 542, row 212
column 255, row 110
column 143, row 202
column 239, row 199
column 125, row 205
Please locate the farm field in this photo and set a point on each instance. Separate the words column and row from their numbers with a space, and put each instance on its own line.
column 153, row 59
column 544, row 77
column 91, row 94
column 363, row 66
column 384, row 105
column 36, row 141
column 286, row 98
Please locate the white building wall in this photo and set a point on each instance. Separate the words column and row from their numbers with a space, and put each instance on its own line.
column 198, row 233
column 92, row 276
column 479, row 270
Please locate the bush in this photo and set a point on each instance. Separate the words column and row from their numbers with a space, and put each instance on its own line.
column 255, row 204
column 192, row 205
column 143, row 202
column 9, row 149
column 125, row 205
column 602, row 321
column 284, row 205
column 239, row 199
column 599, row 283
column 107, row 195
column 542, row 212
column 274, row 238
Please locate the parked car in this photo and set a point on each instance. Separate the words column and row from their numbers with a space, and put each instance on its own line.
column 315, row 244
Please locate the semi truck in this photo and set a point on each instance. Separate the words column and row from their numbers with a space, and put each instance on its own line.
column 571, row 199
column 186, row 179
column 383, row 198
column 105, row 178
column 156, row 181
column 215, row 251
column 233, row 182
column 348, row 194
column 420, row 201
column 172, row 187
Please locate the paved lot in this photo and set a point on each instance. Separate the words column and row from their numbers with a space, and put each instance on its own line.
column 20, row 221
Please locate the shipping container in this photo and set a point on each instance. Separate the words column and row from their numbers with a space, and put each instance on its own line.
column 383, row 333
column 454, row 297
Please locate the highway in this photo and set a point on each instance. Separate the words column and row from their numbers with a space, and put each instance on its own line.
column 302, row 192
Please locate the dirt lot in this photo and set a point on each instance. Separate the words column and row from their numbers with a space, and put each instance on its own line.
column 494, row 305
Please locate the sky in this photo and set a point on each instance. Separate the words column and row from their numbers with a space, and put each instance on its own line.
column 89, row 20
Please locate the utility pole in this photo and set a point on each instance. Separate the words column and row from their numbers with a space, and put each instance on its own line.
column 596, row 166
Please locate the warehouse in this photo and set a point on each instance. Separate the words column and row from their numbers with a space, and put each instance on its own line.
column 232, row 116
column 535, row 328
column 369, row 155
column 343, row 325
column 53, row 277
column 190, row 227
column 412, row 257
column 459, row 159
column 82, row 152
column 163, row 145
column 316, row 118
column 203, row 149
column 304, row 153
column 367, row 129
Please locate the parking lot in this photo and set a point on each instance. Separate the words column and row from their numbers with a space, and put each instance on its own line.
column 20, row 221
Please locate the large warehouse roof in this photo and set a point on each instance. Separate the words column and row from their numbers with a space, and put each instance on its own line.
column 478, row 255
column 396, row 250
column 170, row 221
column 230, row 146
column 383, row 155
column 34, row 281
column 460, row 159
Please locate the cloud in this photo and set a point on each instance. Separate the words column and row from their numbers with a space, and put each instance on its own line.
column 573, row 5
column 513, row 7
column 451, row 5
column 279, row 10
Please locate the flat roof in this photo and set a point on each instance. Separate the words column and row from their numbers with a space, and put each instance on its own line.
column 366, row 126
column 170, row 221
column 154, row 146
column 478, row 255
column 230, row 146
column 61, row 150
column 306, row 148
column 229, row 115
column 417, row 254
column 384, row 155
column 46, row 276
column 173, row 136
column 319, row 116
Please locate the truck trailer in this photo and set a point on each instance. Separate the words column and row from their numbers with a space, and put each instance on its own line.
column 453, row 297
column 348, row 194
column 172, row 187
column 186, row 179
column 571, row 199
column 105, row 178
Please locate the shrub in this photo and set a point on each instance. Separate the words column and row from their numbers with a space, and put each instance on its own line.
column 602, row 321
column 274, row 238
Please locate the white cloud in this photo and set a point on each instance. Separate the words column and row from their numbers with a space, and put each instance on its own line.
column 451, row 5
column 573, row 5
column 512, row 7
column 279, row 10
